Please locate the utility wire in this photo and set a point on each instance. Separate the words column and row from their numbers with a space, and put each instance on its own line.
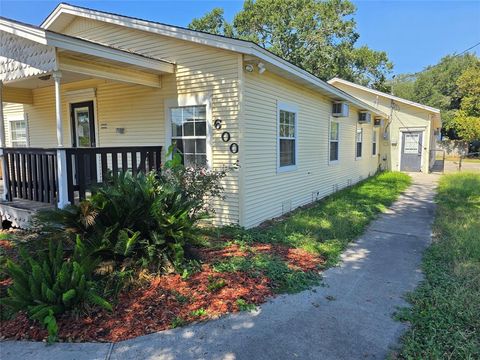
column 470, row 48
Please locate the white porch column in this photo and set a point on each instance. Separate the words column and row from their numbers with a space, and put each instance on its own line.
column 2, row 145
column 57, row 75
column 62, row 200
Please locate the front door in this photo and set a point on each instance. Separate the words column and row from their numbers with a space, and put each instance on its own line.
column 411, row 158
column 83, row 124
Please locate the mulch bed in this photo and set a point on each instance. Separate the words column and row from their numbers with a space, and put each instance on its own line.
column 168, row 298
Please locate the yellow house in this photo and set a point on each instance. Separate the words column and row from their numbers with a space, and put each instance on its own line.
column 409, row 137
column 90, row 92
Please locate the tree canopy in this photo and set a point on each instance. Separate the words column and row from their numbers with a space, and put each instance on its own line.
column 316, row 35
column 453, row 86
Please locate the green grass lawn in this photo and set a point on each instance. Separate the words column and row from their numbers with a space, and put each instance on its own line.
column 324, row 228
column 445, row 313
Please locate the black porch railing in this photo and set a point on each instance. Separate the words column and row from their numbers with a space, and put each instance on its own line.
column 87, row 167
column 32, row 174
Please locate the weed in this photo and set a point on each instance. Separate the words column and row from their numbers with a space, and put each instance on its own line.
column 215, row 284
column 199, row 312
column 245, row 306
column 177, row 322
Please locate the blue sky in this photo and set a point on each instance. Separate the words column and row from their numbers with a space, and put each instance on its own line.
column 413, row 33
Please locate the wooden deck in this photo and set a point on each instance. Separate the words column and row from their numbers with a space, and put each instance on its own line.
column 20, row 211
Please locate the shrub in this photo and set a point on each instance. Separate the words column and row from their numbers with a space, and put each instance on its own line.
column 148, row 218
column 46, row 284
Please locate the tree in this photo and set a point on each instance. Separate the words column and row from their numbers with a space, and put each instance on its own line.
column 451, row 85
column 318, row 36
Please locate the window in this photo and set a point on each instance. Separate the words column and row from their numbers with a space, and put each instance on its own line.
column 287, row 128
column 374, row 143
column 334, row 136
column 18, row 133
column 358, row 150
column 189, row 133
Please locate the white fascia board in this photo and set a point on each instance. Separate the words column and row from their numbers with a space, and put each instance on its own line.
column 240, row 46
column 379, row 93
column 23, row 30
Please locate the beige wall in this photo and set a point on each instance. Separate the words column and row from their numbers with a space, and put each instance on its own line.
column 201, row 73
column 268, row 193
column 403, row 117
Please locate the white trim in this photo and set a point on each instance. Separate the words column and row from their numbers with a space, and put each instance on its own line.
column 294, row 109
column 78, row 96
column 333, row 162
column 15, row 118
column 379, row 93
column 375, row 136
column 358, row 126
column 191, row 100
column 241, row 46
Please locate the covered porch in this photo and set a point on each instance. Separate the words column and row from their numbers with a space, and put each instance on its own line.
column 52, row 148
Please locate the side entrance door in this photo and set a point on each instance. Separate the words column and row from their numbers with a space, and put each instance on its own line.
column 411, row 157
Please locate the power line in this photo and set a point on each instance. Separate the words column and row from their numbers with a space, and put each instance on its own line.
column 470, row 48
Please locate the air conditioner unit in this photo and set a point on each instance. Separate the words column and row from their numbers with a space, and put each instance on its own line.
column 364, row 117
column 378, row 122
column 340, row 109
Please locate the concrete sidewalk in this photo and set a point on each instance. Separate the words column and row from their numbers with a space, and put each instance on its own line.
column 348, row 318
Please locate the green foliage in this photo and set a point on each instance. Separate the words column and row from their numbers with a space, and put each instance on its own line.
column 244, row 305
column 318, row 36
column 199, row 312
column 145, row 217
column 177, row 322
column 215, row 284
column 46, row 284
column 328, row 226
column 453, row 86
column 445, row 312
column 283, row 279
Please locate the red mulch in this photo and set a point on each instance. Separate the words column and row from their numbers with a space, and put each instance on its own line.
column 153, row 307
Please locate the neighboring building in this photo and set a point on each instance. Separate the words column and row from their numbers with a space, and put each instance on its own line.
column 90, row 92
column 409, row 137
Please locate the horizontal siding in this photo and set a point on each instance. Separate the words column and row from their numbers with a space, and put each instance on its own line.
column 266, row 191
column 140, row 110
column 404, row 116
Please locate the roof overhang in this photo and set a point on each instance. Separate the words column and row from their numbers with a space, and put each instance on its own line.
column 63, row 14
column 54, row 46
column 385, row 95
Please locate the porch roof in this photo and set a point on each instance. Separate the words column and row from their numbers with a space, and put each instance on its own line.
column 30, row 52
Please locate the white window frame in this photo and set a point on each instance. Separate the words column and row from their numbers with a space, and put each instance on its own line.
column 294, row 109
column 191, row 100
column 356, row 142
column 12, row 119
column 333, row 162
column 375, row 141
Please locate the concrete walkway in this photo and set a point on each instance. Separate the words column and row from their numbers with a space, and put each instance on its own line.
column 348, row 318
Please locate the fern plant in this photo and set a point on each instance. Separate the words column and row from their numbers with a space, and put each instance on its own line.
column 48, row 284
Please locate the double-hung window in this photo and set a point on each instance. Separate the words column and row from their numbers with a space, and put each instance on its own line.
column 334, row 137
column 189, row 134
column 18, row 133
column 287, row 138
column 374, row 143
column 359, row 141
